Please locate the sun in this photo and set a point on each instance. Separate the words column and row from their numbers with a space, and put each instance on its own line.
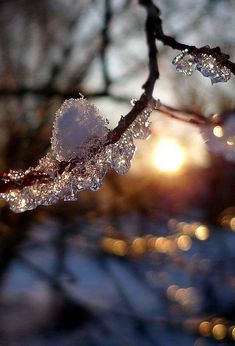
column 169, row 155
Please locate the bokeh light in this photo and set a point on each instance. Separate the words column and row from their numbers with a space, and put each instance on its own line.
column 202, row 232
column 218, row 131
column 219, row 331
column 233, row 333
column 184, row 242
column 205, row 328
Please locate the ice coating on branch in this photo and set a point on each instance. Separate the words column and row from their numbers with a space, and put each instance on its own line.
column 205, row 63
column 220, row 138
column 79, row 157
column 209, row 67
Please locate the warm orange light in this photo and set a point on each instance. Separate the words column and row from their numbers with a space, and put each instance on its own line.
column 219, row 331
column 169, row 156
column 205, row 328
column 202, row 232
column 233, row 332
column 139, row 246
column 184, row 242
column 232, row 224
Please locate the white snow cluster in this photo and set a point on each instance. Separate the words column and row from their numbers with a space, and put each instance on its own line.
column 205, row 63
column 78, row 141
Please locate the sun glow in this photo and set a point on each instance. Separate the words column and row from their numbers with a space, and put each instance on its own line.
column 169, row 156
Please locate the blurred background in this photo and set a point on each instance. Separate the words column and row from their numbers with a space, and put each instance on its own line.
column 149, row 258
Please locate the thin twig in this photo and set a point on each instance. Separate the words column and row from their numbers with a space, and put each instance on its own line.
column 174, row 44
column 183, row 115
column 105, row 44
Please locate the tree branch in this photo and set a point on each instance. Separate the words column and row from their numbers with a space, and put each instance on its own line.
column 153, row 31
column 174, row 44
column 32, row 176
column 183, row 115
column 105, row 44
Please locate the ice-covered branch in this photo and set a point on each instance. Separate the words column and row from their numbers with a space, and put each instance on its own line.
column 203, row 55
column 209, row 62
column 221, row 58
column 83, row 148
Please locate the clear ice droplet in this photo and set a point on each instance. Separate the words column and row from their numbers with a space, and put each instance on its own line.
column 184, row 63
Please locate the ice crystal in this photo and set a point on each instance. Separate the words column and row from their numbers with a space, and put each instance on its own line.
column 209, row 67
column 220, row 138
column 184, row 63
column 207, row 64
column 79, row 157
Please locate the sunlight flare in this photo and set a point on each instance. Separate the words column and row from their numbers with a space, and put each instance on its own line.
column 169, row 156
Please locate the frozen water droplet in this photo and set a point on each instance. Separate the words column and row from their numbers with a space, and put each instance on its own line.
column 205, row 63
column 95, row 186
column 70, row 195
column 133, row 102
column 209, row 67
column 184, row 63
